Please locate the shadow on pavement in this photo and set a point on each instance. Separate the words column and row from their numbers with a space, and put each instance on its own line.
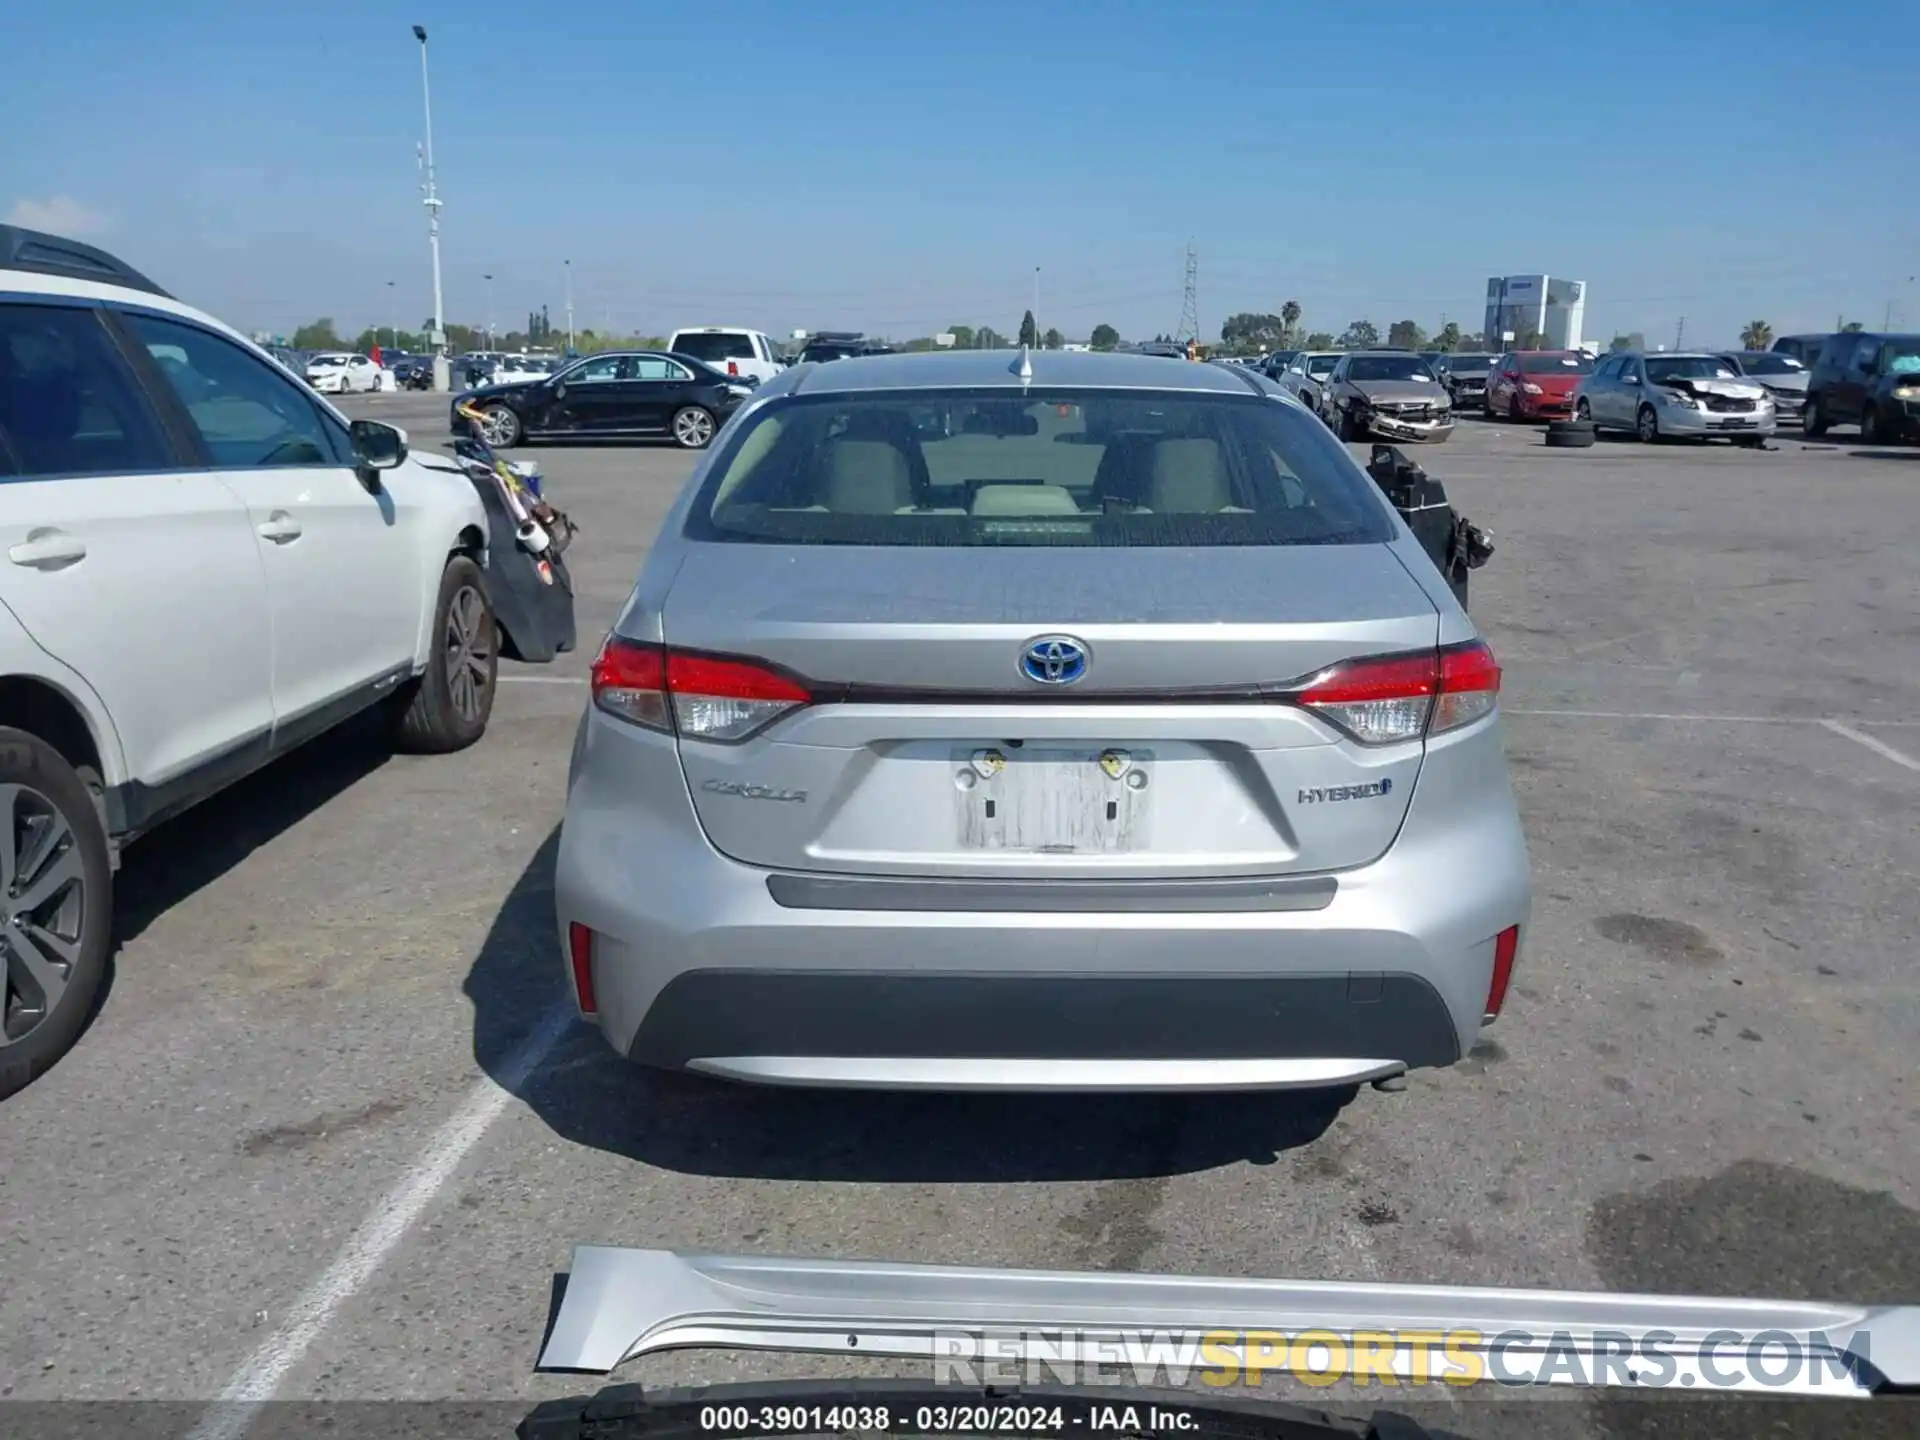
column 692, row 1125
column 197, row 848
column 1884, row 454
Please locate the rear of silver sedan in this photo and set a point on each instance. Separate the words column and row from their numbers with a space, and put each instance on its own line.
column 971, row 729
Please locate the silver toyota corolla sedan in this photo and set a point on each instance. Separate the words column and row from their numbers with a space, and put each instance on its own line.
column 1063, row 722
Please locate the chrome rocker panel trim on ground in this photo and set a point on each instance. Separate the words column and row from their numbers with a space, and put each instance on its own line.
column 620, row 1303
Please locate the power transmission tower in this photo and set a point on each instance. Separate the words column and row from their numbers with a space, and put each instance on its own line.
column 1680, row 334
column 1190, row 299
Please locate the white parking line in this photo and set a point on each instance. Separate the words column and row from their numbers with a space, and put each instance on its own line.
column 229, row 1417
column 1879, row 747
column 1661, row 715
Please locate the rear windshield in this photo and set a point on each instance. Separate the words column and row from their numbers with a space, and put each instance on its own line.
column 1469, row 364
column 1388, row 367
column 1066, row 467
column 1321, row 364
column 712, row 348
column 1555, row 365
column 1771, row 364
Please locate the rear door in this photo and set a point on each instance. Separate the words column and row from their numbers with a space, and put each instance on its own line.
column 998, row 707
column 589, row 399
column 119, row 558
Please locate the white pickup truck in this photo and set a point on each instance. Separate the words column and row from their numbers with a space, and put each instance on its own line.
column 729, row 349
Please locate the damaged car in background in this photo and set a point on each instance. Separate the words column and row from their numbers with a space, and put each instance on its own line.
column 1386, row 395
column 1664, row 396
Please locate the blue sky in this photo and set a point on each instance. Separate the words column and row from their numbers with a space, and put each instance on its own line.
column 898, row 168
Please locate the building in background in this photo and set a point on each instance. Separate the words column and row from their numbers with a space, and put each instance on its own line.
column 1555, row 308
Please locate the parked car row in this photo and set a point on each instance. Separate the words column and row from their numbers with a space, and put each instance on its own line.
column 617, row 394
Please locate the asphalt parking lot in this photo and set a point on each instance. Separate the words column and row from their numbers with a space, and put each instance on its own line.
column 333, row 1130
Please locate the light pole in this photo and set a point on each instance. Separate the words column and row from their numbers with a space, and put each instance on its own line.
column 567, row 265
column 442, row 378
column 489, row 280
column 1036, row 307
column 395, row 329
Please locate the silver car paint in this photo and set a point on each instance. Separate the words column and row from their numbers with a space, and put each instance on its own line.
column 672, row 874
column 620, row 1304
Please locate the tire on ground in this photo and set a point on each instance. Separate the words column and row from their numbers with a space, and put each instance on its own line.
column 27, row 760
column 427, row 721
column 1570, row 434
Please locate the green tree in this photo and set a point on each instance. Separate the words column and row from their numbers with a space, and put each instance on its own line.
column 1289, row 321
column 1104, row 337
column 1053, row 339
column 1757, row 336
column 962, row 336
column 1406, row 335
column 320, row 335
column 1250, row 331
column 1448, row 340
column 1029, row 332
column 988, row 338
column 1852, row 327
column 1620, row 342
column 1318, row 340
column 1360, row 335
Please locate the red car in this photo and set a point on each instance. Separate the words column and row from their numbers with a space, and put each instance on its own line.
column 1535, row 384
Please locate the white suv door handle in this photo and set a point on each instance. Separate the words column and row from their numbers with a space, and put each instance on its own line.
column 48, row 549
column 279, row 527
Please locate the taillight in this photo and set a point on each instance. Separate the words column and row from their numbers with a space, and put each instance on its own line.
column 1506, row 946
column 580, row 951
column 1397, row 698
column 733, row 367
column 703, row 697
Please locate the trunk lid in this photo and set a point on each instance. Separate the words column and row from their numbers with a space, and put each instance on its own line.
column 1161, row 761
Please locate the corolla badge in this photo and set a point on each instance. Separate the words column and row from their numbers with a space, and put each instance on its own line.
column 1054, row 660
column 754, row 792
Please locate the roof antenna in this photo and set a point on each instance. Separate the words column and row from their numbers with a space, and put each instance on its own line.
column 1023, row 367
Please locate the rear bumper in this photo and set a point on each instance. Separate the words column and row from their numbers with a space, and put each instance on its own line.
column 1545, row 407
column 698, row 964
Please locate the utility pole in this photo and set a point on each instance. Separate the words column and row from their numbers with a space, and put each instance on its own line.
column 1680, row 334
column 1190, row 299
column 568, row 266
column 442, row 376
column 391, row 314
column 1036, row 306
column 489, row 280
column 1886, row 320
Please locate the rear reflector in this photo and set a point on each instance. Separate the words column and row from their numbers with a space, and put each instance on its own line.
column 703, row 697
column 580, row 951
column 1396, row 698
column 1506, row 945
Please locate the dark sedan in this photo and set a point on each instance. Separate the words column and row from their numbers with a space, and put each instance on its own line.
column 618, row 395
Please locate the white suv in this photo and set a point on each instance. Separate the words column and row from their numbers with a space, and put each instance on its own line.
column 206, row 565
column 730, row 350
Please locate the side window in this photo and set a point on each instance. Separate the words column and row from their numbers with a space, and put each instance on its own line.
column 1866, row 356
column 68, row 403
column 655, row 367
column 249, row 415
column 594, row 371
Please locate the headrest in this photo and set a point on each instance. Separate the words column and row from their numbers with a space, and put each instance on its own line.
column 1190, row 477
column 867, row 477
